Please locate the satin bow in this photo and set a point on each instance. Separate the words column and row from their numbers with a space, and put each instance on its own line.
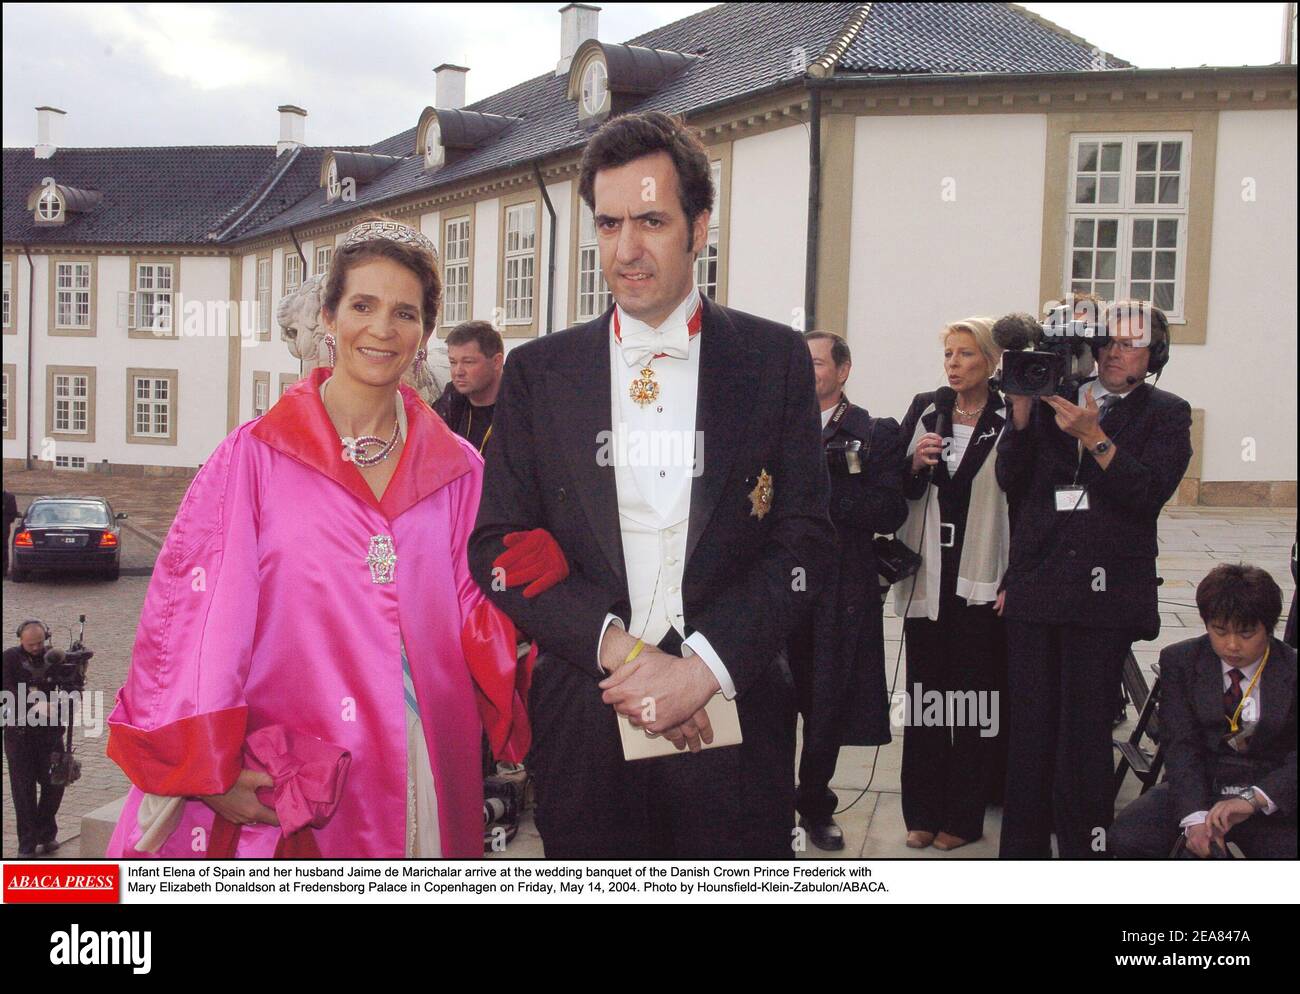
column 642, row 344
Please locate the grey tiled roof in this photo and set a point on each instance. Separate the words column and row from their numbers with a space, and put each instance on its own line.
column 155, row 196
column 232, row 193
column 743, row 48
column 963, row 37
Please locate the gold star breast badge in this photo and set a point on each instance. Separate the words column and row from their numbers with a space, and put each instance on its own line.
column 760, row 498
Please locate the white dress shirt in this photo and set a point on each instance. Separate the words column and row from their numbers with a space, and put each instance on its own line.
column 655, row 457
column 1250, row 711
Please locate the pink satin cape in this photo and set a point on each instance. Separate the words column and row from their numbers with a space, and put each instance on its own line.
column 262, row 611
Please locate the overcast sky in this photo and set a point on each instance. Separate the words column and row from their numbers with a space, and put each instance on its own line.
column 213, row 74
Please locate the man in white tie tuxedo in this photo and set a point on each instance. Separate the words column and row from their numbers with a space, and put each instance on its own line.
column 670, row 449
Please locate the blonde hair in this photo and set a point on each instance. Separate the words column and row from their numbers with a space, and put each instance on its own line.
column 980, row 329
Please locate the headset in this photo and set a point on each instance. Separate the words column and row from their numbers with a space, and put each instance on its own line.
column 18, row 632
column 1158, row 350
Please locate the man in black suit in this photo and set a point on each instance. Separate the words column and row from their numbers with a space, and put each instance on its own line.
column 1088, row 480
column 687, row 570
column 838, row 655
column 1228, row 728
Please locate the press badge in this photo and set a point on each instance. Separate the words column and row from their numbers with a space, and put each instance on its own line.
column 854, row 462
column 1249, row 711
column 1071, row 498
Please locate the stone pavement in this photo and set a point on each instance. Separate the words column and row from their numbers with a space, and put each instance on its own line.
column 1192, row 540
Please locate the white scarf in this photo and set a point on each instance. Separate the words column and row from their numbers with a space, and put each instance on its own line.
column 986, row 548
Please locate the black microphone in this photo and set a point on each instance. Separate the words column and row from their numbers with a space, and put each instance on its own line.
column 944, row 399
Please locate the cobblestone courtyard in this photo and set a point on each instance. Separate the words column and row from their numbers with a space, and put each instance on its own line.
column 1192, row 540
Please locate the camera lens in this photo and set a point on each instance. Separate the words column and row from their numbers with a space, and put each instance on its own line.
column 1036, row 374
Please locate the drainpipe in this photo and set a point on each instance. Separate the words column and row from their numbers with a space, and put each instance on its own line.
column 814, row 206
column 550, row 249
column 298, row 248
column 31, row 291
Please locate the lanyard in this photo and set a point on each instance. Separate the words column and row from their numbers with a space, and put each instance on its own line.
column 469, row 427
column 1232, row 722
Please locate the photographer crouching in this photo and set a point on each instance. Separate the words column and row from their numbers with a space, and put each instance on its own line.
column 1089, row 462
column 30, row 736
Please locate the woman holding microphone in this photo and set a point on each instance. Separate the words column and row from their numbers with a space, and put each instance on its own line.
column 958, row 523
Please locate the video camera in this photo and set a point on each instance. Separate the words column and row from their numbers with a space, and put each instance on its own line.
column 63, row 671
column 1049, row 357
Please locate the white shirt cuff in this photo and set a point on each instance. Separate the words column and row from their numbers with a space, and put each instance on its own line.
column 1269, row 807
column 610, row 619
column 1195, row 818
column 699, row 645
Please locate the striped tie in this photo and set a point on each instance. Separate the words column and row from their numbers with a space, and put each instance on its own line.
column 1232, row 696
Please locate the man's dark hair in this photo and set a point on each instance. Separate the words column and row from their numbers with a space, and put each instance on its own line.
column 633, row 136
column 481, row 332
column 840, row 353
column 1239, row 595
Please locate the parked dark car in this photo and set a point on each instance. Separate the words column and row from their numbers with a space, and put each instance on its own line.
column 67, row 534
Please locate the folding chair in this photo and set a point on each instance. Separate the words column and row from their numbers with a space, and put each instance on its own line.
column 1145, row 763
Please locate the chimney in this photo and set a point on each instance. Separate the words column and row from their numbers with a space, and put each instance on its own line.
column 48, row 124
column 293, row 128
column 449, row 86
column 578, row 23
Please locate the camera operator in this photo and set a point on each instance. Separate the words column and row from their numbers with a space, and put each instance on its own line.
column 30, row 737
column 837, row 656
column 1089, row 467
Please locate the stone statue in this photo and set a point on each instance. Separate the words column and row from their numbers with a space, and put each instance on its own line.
column 298, row 315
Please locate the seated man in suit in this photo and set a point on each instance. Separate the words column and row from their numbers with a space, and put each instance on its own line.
column 1228, row 725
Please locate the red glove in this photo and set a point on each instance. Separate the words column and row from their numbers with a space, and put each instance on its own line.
column 534, row 558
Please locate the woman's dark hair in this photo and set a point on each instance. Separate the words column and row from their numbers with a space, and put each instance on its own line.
column 419, row 261
column 632, row 136
column 1240, row 595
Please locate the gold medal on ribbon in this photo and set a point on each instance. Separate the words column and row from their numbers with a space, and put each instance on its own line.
column 644, row 389
column 760, row 498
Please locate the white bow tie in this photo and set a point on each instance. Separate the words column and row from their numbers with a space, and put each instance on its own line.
column 645, row 343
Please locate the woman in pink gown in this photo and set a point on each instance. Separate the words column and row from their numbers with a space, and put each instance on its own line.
column 312, row 608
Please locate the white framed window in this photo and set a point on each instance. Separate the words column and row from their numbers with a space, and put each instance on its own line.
column 433, row 152
column 153, row 406
column 455, row 271
column 593, row 292
column 1126, row 221
column 261, row 396
column 70, row 462
column 520, row 247
column 323, row 255
column 8, row 303
column 332, row 187
column 49, row 207
column 292, row 271
column 264, row 296
column 72, row 295
column 71, row 402
column 706, row 263
column 153, row 296
column 595, row 87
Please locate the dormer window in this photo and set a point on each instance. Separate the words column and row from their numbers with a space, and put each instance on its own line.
column 343, row 173
column 447, row 134
column 53, row 203
column 49, row 208
column 595, row 87
column 612, row 79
